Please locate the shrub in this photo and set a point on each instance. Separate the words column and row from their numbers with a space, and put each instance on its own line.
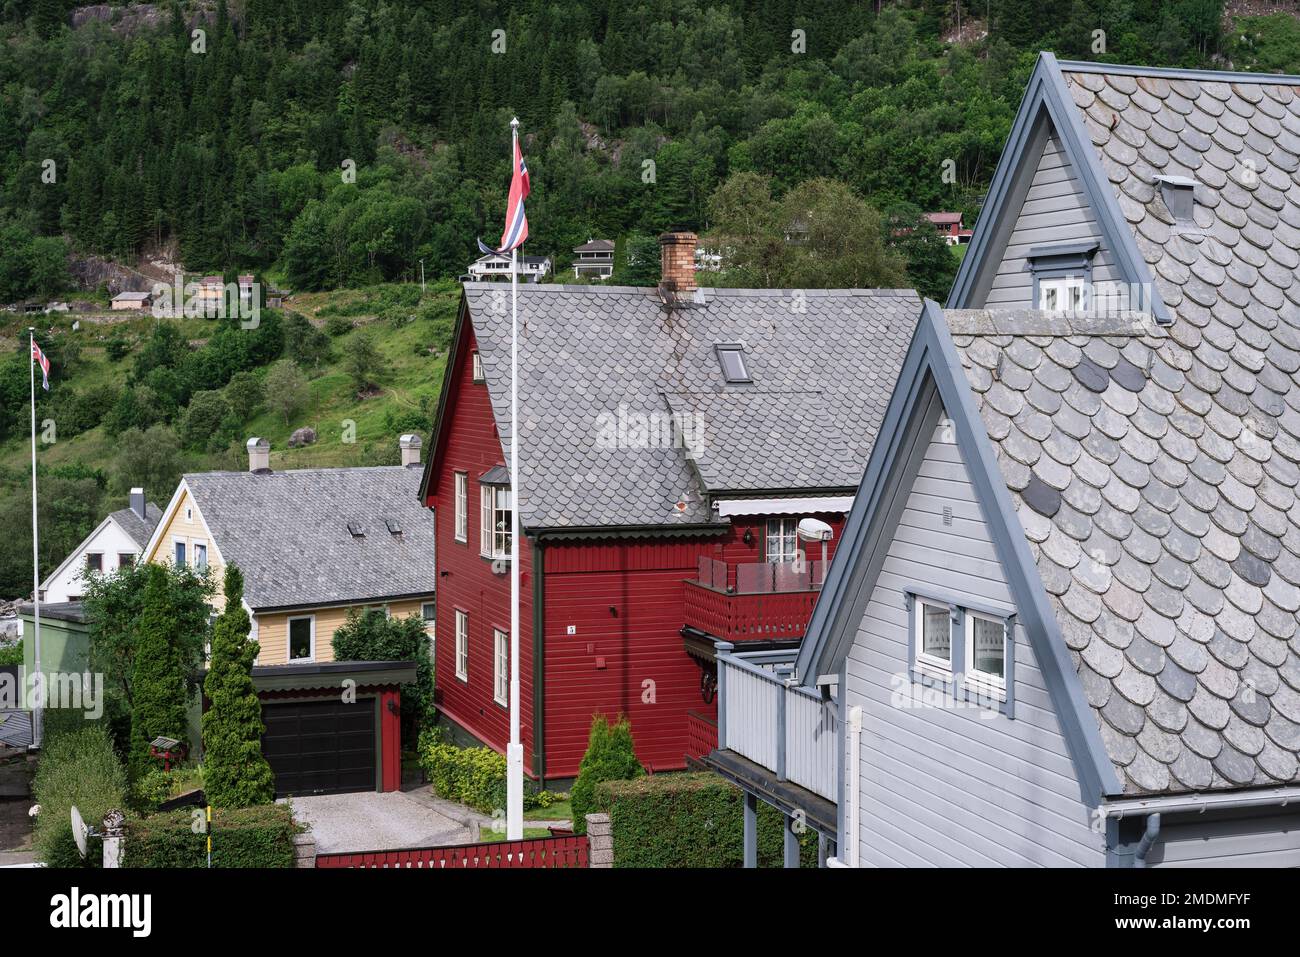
column 610, row 756
column 472, row 776
column 374, row 636
column 158, row 695
column 79, row 768
column 12, row 654
column 336, row 326
column 156, row 786
column 237, row 773
column 203, row 424
column 259, row 836
column 117, row 348
column 691, row 819
column 286, row 389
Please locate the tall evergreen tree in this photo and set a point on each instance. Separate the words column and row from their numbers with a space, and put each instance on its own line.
column 235, row 774
column 158, row 683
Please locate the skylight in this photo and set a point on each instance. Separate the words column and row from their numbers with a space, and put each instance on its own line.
column 394, row 527
column 356, row 530
column 731, row 357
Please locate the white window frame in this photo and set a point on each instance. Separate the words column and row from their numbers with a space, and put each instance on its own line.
column 476, row 364
column 288, row 638
column 927, row 663
column 460, row 507
column 494, row 536
column 781, row 555
column 430, row 620
column 184, row 551
column 462, row 645
column 500, row 667
column 195, row 545
column 981, row 681
column 1064, row 287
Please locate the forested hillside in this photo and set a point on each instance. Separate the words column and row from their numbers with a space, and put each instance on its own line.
column 333, row 145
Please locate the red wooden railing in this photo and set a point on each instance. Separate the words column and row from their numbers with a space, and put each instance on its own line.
column 748, row 617
column 701, row 734
column 568, row 851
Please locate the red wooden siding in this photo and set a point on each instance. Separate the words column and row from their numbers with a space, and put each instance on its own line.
column 470, row 443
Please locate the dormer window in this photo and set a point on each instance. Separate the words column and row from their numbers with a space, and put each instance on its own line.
column 1179, row 194
column 355, row 530
column 1063, row 275
column 731, row 357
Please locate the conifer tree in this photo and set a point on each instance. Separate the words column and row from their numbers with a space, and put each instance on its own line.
column 235, row 774
column 158, row 682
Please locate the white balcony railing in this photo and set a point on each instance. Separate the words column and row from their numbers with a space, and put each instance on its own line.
column 775, row 723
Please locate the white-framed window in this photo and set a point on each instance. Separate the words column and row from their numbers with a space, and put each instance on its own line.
column 200, row 555
column 462, row 645
column 986, row 652
column 429, row 613
column 302, row 638
column 932, row 627
column 461, row 507
column 501, row 666
column 476, row 362
column 1063, row 294
column 494, row 521
column 189, row 514
column 94, row 562
column 782, row 539
column 178, row 550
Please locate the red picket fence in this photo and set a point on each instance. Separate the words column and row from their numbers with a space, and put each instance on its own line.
column 568, row 851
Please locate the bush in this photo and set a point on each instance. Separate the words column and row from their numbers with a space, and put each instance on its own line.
column 690, row 820
column 336, row 326
column 472, row 776
column 610, row 756
column 117, row 348
column 79, row 768
column 374, row 636
column 259, row 836
column 12, row 654
column 156, row 786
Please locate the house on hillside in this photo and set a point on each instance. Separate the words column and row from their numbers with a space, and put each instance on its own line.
column 131, row 300
column 1061, row 629
column 594, row 259
column 492, row 266
column 673, row 439
column 115, row 543
column 314, row 545
column 949, row 226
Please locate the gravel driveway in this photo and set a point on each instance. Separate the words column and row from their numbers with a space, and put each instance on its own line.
column 370, row 821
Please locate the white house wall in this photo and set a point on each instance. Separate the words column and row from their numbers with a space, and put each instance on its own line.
column 68, row 582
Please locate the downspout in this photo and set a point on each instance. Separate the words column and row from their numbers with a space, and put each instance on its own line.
column 1148, row 839
column 539, row 663
column 851, row 846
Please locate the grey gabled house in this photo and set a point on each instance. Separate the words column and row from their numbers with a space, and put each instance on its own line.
column 1061, row 628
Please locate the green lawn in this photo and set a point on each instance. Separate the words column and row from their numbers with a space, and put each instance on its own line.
column 559, row 811
column 490, row 837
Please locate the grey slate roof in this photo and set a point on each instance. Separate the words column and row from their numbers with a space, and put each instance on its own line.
column 288, row 533
column 590, row 355
column 1162, row 525
column 140, row 529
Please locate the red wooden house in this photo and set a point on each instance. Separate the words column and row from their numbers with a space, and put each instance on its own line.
column 671, row 440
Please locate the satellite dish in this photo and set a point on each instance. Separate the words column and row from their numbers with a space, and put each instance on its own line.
column 79, row 831
column 815, row 530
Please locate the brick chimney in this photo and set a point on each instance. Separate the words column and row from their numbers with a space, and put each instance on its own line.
column 259, row 455
column 137, row 502
column 677, row 262
column 410, row 444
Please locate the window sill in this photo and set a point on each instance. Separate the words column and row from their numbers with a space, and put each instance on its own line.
column 986, row 689
column 463, row 679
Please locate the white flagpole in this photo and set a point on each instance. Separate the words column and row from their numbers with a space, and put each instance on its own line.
column 515, row 751
column 38, row 704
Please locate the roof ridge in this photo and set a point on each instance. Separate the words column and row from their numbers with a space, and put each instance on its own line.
column 558, row 287
column 1128, row 69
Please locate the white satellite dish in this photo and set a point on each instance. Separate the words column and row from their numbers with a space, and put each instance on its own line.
column 79, row 831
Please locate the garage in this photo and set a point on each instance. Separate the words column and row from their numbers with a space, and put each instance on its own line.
column 320, row 747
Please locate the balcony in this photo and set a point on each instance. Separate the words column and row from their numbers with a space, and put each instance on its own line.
column 758, row 601
column 781, row 727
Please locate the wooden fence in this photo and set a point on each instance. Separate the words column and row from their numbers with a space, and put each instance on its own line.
column 571, row 851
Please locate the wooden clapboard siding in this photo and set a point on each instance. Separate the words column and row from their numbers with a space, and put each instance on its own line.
column 1229, row 839
column 191, row 529
column 1055, row 210
column 955, row 786
column 273, row 628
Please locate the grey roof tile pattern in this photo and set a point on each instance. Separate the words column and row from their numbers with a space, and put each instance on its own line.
column 288, row 533
column 597, row 365
column 140, row 529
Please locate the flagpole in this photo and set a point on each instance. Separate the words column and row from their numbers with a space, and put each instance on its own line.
column 38, row 704
column 515, row 751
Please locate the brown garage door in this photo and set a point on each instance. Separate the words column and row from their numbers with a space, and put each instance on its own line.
column 320, row 747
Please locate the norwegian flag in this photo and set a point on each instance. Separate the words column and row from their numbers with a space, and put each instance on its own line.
column 44, row 362
column 516, row 230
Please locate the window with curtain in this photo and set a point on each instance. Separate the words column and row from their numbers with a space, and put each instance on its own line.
column 494, row 521
column 934, row 628
column 462, row 507
column 782, row 539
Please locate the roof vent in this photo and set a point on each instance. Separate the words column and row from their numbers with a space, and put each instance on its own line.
column 1178, row 192
column 355, row 530
column 731, row 357
column 394, row 527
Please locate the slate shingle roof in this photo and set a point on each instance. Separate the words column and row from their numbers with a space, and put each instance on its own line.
column 591, row 356
column 288, row 533
column 140, row 529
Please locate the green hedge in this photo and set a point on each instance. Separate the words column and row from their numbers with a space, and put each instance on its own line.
column 77, row 767
column 692, row 819
column 259, row 836
column 472, row 776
